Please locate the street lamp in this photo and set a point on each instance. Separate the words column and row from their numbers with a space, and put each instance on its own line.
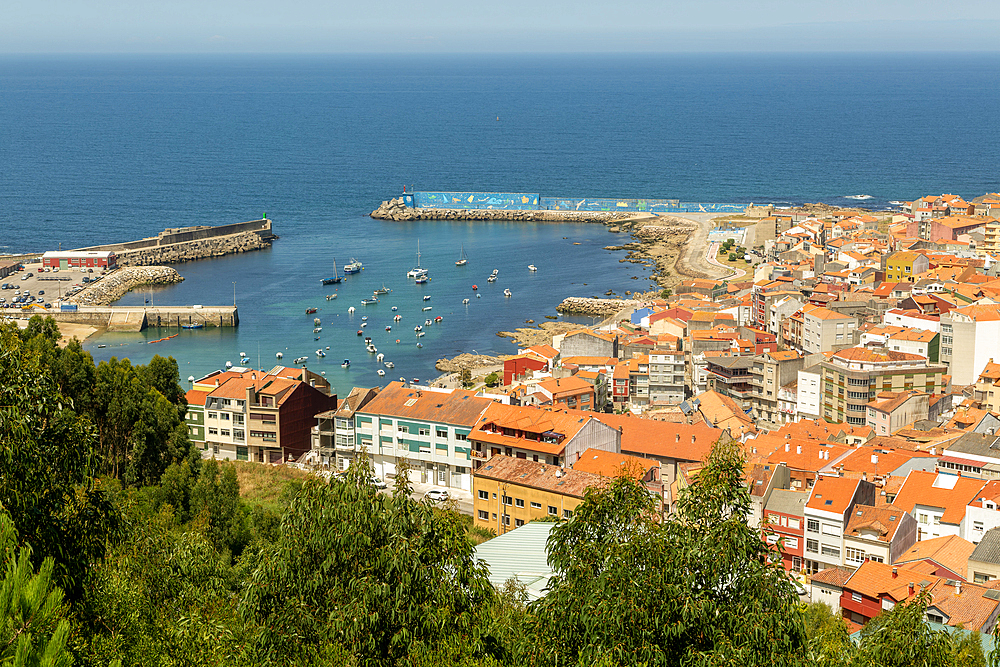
column 234, row 293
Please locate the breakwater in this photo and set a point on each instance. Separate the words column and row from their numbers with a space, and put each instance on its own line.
column 534, row 201
column 397, row 210
column 137, row 318
column 186, row 251
column 116, row 284
column 174, row 235
column 576, row 305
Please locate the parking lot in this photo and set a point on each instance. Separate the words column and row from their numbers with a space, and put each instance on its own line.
column 35, row 286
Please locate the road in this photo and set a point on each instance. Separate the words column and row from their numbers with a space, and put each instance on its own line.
column 710, row 254
column 462, row 499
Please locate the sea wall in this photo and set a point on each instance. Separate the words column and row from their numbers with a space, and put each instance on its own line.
column 533, row 201
column 128, row 318
column 171, row 235
column 116, row 284
column 175, row 253
column 576, row 305
column 395, row 209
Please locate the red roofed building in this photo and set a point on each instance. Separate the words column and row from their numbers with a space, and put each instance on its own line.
column 827, row 514
column 569, row 392
column 520, row 367
column 937, row 501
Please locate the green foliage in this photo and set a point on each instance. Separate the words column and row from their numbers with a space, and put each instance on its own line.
column 829, row 640
column 666, row 293
column 492, row 380
column 33, row 629
column 382, row 575
column 732, row 257
column 465, row 377
column 700, row 588
column 215, row 499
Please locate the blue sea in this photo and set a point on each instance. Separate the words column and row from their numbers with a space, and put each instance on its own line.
column 103, row 149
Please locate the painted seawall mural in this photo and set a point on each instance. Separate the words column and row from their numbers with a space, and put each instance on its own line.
column 535, row 202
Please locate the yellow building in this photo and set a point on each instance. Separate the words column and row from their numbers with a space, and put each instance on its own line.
column 510, row 492
column 902, row 267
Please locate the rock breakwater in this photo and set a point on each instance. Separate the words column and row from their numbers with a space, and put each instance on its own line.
column 395, row 209
column 175, row 253
column 116, row 284
column 576, row 305
column 466, row 360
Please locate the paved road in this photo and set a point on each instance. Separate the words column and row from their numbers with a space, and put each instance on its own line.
column 710, row 254
column 462, row 499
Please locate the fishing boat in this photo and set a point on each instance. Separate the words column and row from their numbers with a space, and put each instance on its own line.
column 381, row 373
column 364, row 318
column 389, row 364
column 427, row 297
column 320, row 353
column 278, row 355
column 368, row 339
column 438, row 318
column 354, row 267
column 418, row 328
column 394, row 309
column 428, row 322
column 462, row 260
column 379, row 357
column 335, row 278
column 420, row 344
column 350, row 310
column 420, row 334
column 300, row 360
column 371, row 349
column 383, row 289
column 532, row 267
column 397, row 318
column 310, row 311
column 422, row 279
column 491, row 279
column 465, row 301
column 317, row 329
column 506, row 292
column 369, row 302
column 360, row 332
column 475, row 287
column 346, row 364
column 388, row 328
column 364, row 324
column 195, row 325
column 331, row 297
column 417, row 271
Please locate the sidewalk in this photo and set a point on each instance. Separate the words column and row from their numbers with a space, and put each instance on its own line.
column 462, row 498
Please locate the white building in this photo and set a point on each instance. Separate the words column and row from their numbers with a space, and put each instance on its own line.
column 827, row 514
column 807, row 397
column 970, row 336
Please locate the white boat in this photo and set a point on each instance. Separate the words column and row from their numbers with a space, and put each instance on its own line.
column 427, row 308
column 420, row 334
column 506, row 292
column 300, row 360
column 353, row 267
column 278, row 355
column 532, row 267
column 389, row 364
column 364, row 318
column 397, row 318
column 417, row 271
column 317, row 329
column 388, row 328
column 427, row 297
column 320, row 353
column 381, row 373
column 465, row 301
column 862, row 197
column 364, row 324
column 379, row 357
column 346, row 364
column 369, row 302
column 427, row 323
column 351, row 309
column 418, row 328
column 462, row 260
column 495, row 271
column 229, row 364
column 331, row 297
column 394, row 309
column 491, row 279
column 371, row 348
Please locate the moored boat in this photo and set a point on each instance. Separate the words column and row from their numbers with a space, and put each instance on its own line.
column 354, row 266
column 194, row 325
column 427, row 308
column 466, row 301
column 506, row 292
column 532, row 267
column 427, row 297
column 346, row 364
column 462, row 260
column 335, row 278
column 381, row 373
column 310, row 311
column 369, row 302
column 300, row 360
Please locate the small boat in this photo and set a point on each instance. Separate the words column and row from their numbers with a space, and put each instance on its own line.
column 421, row 334
column 427, row 323
column 317, row 329
column 427, row 297
column 475, row 287
column 383, row 289
column 397, row 318
column 417, row 271
column 331, row 297
column 420, row 344
column 368, row 339
column 335, row 278
column 462, row 260
column 316, row 322
column 364, row 324
column 394, row 309
column 479, row 296
column 506, row 292
column 371, row 349
column 350, row 310
column 278, row 355
column 861, row 197
column 465, row 301
column 389, row 364
column 360, row 332
column 426, row 308
column 495, row 271
column 415, row 380
column 364, row 318
column 438, row 318
column 388, row 328
column 300, row 360
column 102, row 345
column 328, row 347
column 532, row 267
column 229, row 364
column 310, row 311
column 422, row 280
column 369, row 302
column 316, row 338
column 320, row 353
column 380, row 357
column 491, row 279
column 195, row 325
column 381, row 373
column 418, row 328
column 346, row 364
column 353, row 267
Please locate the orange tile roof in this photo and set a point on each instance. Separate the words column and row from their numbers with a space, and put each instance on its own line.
column 652, row 437
column 538, row 475
column 546, row 351
column 883, row 520
column 458, row 407
column 866, row 354
column 610, row 464
column 932, row 490
column 529, row 420
column 797, row 453
column 590, row 361
column 950, row 551
column 832, row 494
column 196, row 397
column 860, row 460
column 980, row 313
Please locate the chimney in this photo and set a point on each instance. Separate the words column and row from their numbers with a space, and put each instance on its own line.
column 786, row 446
column 958, row 587
column 895, row 573
column 692, row 439
column 798, row 449
column 678, row 438
column 820, row 455
column 910, row 587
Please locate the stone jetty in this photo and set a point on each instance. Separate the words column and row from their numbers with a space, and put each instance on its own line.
column 395, row 209
column 466, row 360
column 116, row 284
column 576, row 305
column 187, row 251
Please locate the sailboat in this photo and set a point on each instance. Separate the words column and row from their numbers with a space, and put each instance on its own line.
column 417, row 272
column 336, row 277
column 463, row 260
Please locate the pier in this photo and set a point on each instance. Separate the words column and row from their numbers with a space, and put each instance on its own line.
column 138, row 318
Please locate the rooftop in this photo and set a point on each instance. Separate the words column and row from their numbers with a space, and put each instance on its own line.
column 537, row 475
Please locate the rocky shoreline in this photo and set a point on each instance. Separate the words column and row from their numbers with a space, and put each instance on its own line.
column 466, row 360
column 176, row 253
column 396, row 210
column 576, row 305
column 115, row 285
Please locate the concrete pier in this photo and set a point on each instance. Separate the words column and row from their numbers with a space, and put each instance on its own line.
column 137, row 318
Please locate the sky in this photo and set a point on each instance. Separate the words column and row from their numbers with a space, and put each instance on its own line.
column 518, row 26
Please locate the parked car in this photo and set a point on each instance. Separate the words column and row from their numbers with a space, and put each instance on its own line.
column 40, row 292
column 437, row 495
column 378, row 483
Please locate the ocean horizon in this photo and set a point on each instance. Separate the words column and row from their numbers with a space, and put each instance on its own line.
column 102, row 149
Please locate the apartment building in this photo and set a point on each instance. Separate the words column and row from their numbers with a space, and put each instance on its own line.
column 903, row 266
column 827, row 514
column 824, row 330
column 333, row 437
column 970, row 337
column 666, row 377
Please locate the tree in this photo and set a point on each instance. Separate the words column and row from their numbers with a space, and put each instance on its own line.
column 492, row 379
column 33, row 630
column 216, row 496
column 465, row 377
column 699, row 588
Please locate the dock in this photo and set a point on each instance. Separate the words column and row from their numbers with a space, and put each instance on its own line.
column 138, row 318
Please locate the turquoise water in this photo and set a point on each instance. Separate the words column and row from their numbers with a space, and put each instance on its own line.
column 103, row 149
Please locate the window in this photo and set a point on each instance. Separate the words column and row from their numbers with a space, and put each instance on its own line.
column 506, row 519
column 404, row 429
column 536, row 506
column 213, row 431
column 812, row 546
column 507, row 500
column 224, row 416
column 567, row 514
column 423, row 431
column 980, row 578
column 791, row 542
column 977, row 525
column 923, row 518
column 484, row 495
column 553, row 511
column 853, row 555
column 518, row 523
column 461, row 436
column 484, row 515
column 812, row 525
column 935, row 618
column 855, row 596
column 794, row 523
column 442, row 433
column 518, row 502
column 213, row 415
column 833, row 552
column 242, row 454
column 831, row 529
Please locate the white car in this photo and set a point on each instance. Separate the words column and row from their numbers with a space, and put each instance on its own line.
column 437, row 495
column 378, row 483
